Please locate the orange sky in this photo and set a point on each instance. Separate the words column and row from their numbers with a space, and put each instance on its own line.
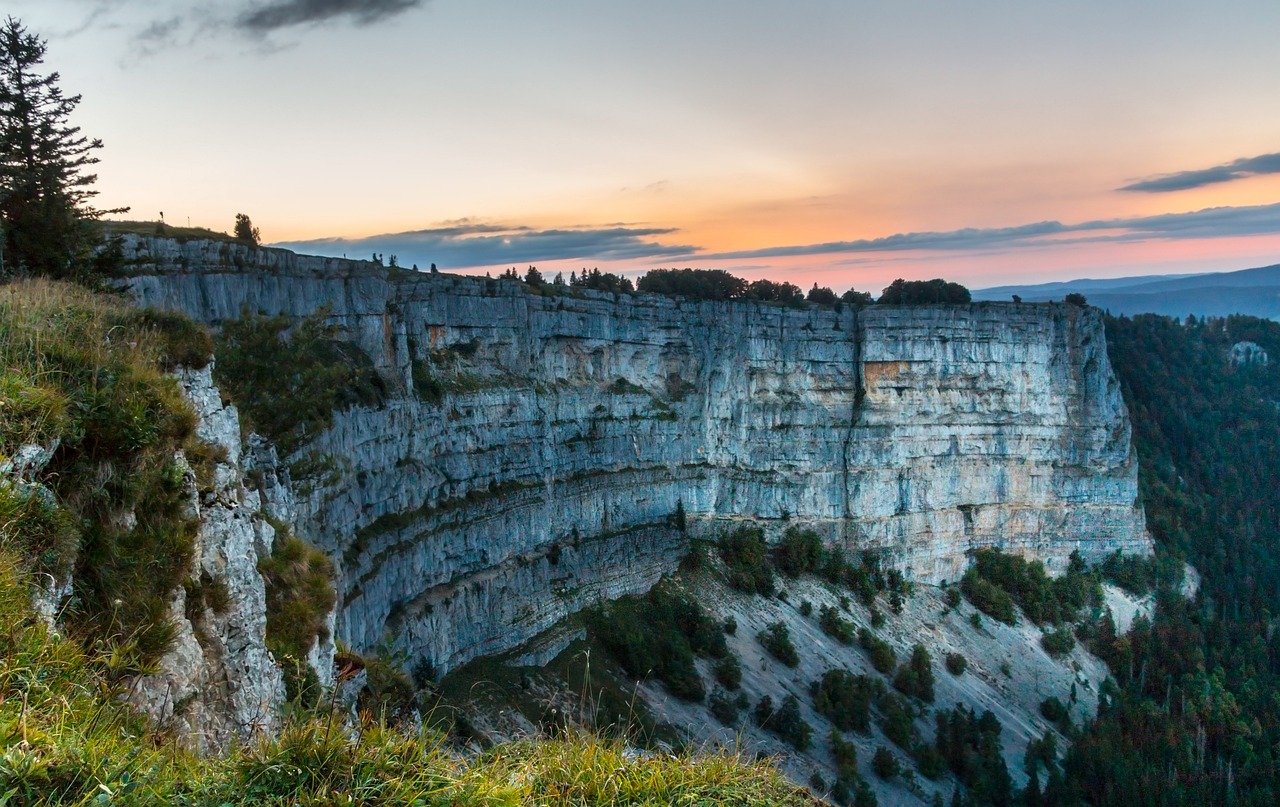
column 731, row 127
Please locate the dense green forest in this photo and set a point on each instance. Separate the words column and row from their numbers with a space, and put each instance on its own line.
column 1194, row 716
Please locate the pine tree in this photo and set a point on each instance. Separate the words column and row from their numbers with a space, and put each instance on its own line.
column 49, row 227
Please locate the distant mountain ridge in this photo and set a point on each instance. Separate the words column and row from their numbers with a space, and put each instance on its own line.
column 1247, row 291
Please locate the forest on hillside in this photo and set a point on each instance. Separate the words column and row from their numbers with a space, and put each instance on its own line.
column 1194, row 716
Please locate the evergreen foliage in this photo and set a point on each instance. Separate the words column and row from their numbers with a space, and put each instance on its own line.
column 997, row 581
column 746, row 556
column 245, row 231
column 601, row 281
column 1193, row 718
column 799, row 552
column 659, row 634
column 923, row 292
column 777, row 640
column 49, row 227
column 845, row 699
column 785, row 721
column 915, row 677
column 971, row 747
column 882, row 655
column 699, row 284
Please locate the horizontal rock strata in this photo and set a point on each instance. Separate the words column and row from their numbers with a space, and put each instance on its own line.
column 566, row 430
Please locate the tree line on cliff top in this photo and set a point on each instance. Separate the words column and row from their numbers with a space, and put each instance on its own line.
column 717, row 284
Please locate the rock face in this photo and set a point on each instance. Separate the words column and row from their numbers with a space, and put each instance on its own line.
column 219, row 683
column 537, row 447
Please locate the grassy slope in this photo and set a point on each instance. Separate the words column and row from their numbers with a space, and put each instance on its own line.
column 87, row 373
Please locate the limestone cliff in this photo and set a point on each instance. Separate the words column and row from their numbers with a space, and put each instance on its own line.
column 219, row 684
column 538, row 445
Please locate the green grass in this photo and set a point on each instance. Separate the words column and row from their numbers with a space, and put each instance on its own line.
column 66, row 739
column 156, row 228
column 87, row 374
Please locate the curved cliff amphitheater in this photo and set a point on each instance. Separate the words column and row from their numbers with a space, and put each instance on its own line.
column 541, row 468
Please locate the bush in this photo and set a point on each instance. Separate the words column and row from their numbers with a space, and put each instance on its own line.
column 1059, row 642
column 729, row 672
column 885, row 763
column 951, row 597
column 845, row 754
column 290, row 384
column 834, row 625
column 845, row 699
column 956, row 664
column 725, row 707
column 799, row 552
column 988, row 598
column 882, row 655
column 746, row 556
column 1053, row 710
column 299, row 582
column 659, row 634
column 777, row 640
column 915, row 679
column 898, row 724
column 785, row 721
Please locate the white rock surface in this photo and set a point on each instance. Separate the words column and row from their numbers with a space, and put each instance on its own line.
column 219, row 683
column 571, row 427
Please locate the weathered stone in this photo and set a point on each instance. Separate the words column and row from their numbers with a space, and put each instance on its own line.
column 570, row 428
column 219, row 683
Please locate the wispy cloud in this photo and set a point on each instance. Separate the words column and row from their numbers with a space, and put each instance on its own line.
column 262, row 18
column 1215, row 222
column 468, row 244
column 1227, row 172
column 153, row 27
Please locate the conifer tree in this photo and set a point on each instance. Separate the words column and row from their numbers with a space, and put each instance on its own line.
column 49, row 227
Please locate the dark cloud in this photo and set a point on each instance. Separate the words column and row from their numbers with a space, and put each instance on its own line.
column 263, row 18
column 1184, row 180
column 1215, row 222
column 467, row 244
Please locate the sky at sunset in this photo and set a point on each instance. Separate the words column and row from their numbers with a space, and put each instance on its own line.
column 843, row 143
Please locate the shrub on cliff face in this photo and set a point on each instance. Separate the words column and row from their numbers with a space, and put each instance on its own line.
column 915, row 678
column 287, row 381
column 659, row 634
column 746, row 556
column 777, row 640
column 845, row 699
column 299, row 582
column 799, row 552
column 785, row 721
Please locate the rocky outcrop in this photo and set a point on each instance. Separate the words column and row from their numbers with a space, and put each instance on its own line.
column 551, row 438
column 218, row 683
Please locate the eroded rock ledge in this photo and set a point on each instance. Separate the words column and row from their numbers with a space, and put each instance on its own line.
column 568, row 429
